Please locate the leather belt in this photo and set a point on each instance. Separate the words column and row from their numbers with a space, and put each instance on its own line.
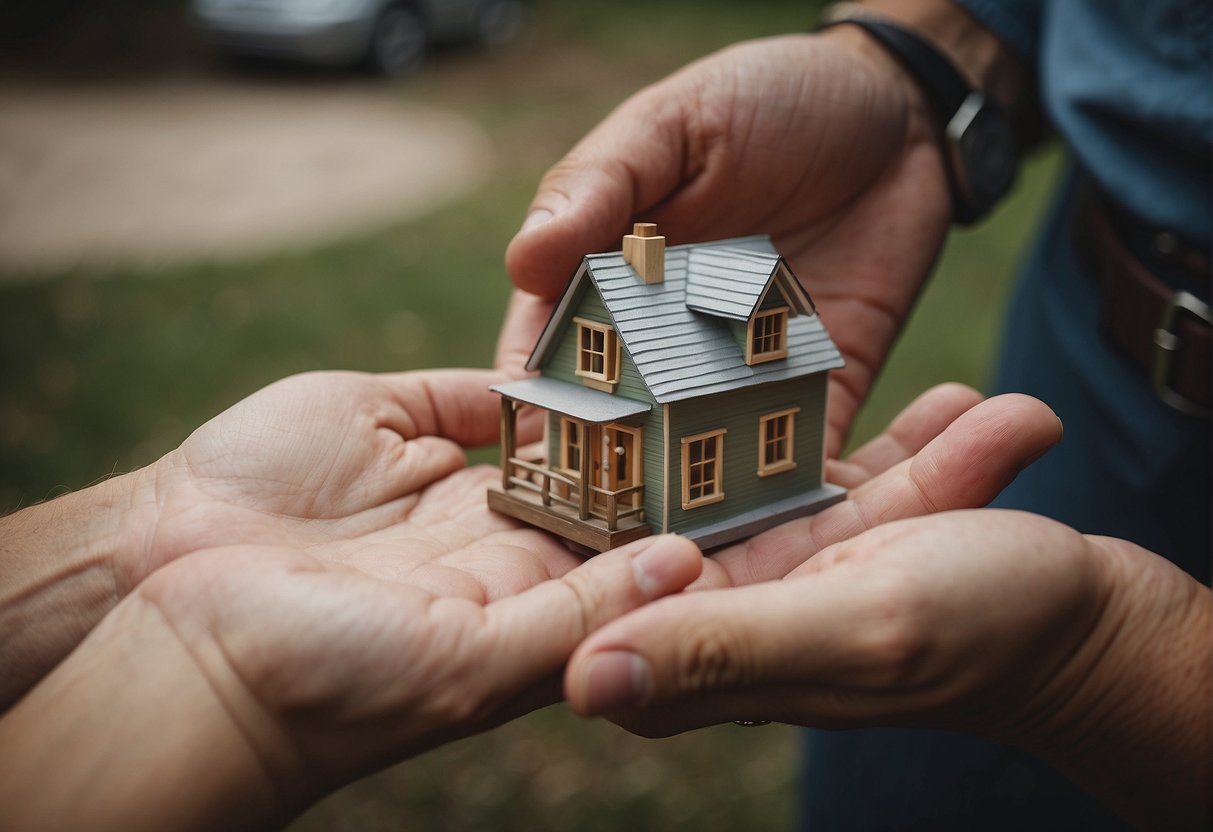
column 1164, row 331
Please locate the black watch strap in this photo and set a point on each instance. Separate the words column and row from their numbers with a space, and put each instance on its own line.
column 948, row 93
column 938, row 78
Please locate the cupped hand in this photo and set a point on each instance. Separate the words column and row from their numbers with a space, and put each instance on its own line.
column 335, row 460
column 906, row 605
column 1090, row 652
column 715, row 655
column 329, row 457
column 819, row 141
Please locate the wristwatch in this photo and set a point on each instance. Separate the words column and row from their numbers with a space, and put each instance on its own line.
column 980, row 156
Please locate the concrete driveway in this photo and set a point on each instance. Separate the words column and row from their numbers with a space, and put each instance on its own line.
column 186, row 170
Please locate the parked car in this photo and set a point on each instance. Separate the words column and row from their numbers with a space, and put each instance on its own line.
column 389, row 36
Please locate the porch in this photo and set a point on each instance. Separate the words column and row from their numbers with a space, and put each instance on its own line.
column 592, row 495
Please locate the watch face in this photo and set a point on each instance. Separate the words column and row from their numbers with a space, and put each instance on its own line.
column 984, row 161
column 987, row 148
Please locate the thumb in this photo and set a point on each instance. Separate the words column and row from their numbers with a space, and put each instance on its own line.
column 628, row 164
column 701, row 645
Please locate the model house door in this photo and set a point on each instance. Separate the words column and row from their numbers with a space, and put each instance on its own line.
column 614, row 462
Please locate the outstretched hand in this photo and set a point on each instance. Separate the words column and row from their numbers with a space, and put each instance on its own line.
column 322, row 458
column 351, row 462
column 860, row 614
column 819, row 141
column 898, row 607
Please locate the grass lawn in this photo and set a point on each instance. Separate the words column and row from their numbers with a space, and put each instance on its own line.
column 103, row 372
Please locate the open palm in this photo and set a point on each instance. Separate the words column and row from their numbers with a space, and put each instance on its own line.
column 359, row 465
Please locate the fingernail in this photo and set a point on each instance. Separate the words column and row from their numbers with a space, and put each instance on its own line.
column 616, row 679
column 660, row 568
column 536, row 217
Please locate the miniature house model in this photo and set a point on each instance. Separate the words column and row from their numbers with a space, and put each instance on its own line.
column 685, row 391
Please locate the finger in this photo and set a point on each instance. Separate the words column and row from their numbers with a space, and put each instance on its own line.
column 451, row 404
column 975, row 457
column 628, row 163
column 724, row 640
column 525, row 318
column 531, row 635
column 924, row 419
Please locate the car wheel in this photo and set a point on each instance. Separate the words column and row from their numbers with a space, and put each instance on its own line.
column 397, row 42
column 498, row 22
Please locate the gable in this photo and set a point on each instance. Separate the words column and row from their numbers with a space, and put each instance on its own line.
column 559, row 319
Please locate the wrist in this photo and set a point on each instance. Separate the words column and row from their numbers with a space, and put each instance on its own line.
column 65, row 564
column 977, row 141
column 1130, row 717
column 985, row 62
column 922, row 126
column 133, row 732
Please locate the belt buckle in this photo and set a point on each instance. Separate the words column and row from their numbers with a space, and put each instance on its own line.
column 1168, row 343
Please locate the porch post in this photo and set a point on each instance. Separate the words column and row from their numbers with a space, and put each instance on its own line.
column 508, row 415
column 586, row 450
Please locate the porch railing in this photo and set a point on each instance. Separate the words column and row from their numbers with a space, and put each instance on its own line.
column 539, row 480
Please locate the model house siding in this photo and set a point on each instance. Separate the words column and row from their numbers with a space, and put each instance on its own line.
column 738, row 412
column 562, row 365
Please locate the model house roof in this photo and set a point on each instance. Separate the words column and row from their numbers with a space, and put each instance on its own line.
column 579, row 402
column 679, row 331
column 731, row 282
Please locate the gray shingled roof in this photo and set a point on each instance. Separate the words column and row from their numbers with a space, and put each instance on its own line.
column 729, row 282
column 682, row 353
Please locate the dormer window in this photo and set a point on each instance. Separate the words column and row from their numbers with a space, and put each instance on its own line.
column 767, row 338
column 598, row 355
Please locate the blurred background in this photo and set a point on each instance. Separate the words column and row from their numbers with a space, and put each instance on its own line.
column 180, row 226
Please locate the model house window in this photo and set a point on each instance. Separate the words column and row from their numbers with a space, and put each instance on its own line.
column 768, row 335
column 702, row 469
column 571, row 441
column 598, row 351
column 776, row 432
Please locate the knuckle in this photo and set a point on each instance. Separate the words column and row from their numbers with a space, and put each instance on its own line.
column 711, row 659
column 458, row 704
column 575, row 163
column 591, row 597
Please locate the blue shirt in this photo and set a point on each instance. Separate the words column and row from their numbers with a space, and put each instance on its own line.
column 1128, row 84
